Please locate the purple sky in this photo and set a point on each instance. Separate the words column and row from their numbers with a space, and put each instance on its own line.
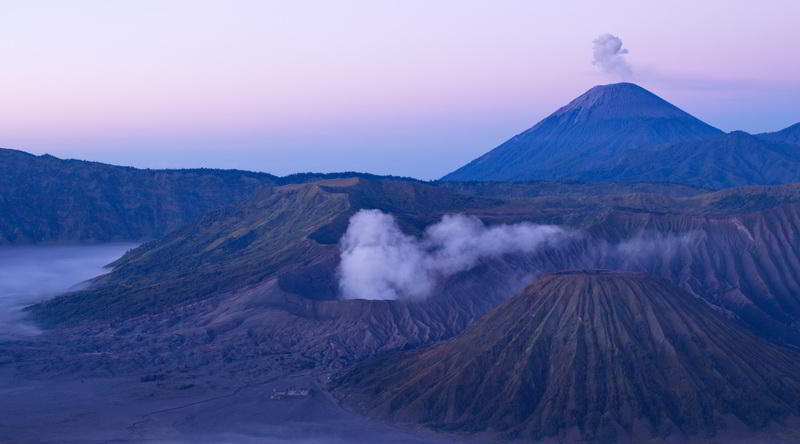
column 391, row 87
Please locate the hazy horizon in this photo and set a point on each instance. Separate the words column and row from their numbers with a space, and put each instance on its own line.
column 367, row 86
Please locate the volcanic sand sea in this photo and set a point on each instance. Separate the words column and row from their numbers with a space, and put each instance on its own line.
column 71, row 408
column 126, row 410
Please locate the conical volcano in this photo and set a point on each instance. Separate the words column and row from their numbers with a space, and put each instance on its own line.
column 585, row 134
column 588, row 356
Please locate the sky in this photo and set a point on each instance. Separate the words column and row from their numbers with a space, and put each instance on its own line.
column 412, row 88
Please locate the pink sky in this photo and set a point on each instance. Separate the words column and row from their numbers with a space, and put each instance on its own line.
column 407, row 87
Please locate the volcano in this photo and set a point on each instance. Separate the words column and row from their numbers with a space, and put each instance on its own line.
column 582, row 136
column 588, row 356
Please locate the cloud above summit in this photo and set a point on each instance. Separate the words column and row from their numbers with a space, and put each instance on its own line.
column 609, row 56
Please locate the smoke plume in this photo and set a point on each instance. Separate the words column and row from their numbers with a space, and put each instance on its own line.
column 379, row 261
column 608, row 55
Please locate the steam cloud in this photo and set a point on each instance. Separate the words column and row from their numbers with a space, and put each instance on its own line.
column 378, row 261
column 642, row 252
column 609, row 56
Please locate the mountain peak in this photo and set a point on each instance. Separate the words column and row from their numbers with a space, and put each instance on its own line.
column 622, row 88
column 588, row 132
column 621, row 101
column 742, row 136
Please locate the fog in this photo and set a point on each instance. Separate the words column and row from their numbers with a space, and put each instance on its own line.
column 30, row 274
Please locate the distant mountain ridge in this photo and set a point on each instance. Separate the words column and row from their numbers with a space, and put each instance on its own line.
column 725, row 161
column 790, row 135
column 47, row 199
column 624, row 133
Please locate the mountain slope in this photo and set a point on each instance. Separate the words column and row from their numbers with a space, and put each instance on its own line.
column 289, row 232
column 730, row 160
column 790, row 135
column 588, row 356
column 735, row 248
column 595, row 127
column 46, row 199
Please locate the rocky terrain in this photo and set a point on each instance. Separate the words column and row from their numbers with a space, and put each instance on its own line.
column 594, row 356
column 201, row 315
column 732, row 247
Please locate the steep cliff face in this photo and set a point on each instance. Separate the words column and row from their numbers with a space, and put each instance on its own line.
column 587, row 356
column 46, row 199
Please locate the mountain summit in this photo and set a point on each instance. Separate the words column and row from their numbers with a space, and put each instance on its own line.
column 621, row 101
column 586, row 133
column 588, row 356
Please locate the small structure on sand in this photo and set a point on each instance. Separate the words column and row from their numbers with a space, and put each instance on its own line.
column 291, row 393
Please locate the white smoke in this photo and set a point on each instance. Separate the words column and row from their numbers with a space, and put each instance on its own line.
column 644, row 251
column 655, row 246
column 378, row 261
column 608, row 55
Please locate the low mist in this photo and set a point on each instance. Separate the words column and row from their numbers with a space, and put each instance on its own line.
column 32, row 273
column 379, row 261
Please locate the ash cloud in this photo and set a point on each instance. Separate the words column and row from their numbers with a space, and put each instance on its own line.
column 379, row 261
column 609, row 56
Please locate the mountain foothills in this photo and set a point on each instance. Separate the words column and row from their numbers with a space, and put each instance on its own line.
column 597, row 356
column 622, row 132
column 667, row 311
